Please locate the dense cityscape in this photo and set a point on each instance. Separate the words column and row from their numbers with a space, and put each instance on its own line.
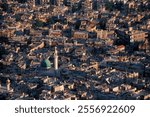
column 74, row 49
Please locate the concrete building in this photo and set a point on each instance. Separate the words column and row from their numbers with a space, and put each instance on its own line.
column 74, row 49
column 138, row 36
column 102, row 34
column 80, row 35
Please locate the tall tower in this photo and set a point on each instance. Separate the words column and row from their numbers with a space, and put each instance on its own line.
column 56, row 59
column 8, row 85
column 33, row 3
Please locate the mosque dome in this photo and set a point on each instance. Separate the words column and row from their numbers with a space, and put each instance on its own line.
column 46, row 64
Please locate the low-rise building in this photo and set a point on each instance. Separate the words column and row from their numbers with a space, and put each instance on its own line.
column 80, row 35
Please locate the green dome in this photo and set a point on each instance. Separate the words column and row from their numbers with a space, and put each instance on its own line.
column 46, row 64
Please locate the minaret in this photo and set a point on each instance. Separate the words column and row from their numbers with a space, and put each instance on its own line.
column 33, row 3
column 8, row 85
column 56, row 59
